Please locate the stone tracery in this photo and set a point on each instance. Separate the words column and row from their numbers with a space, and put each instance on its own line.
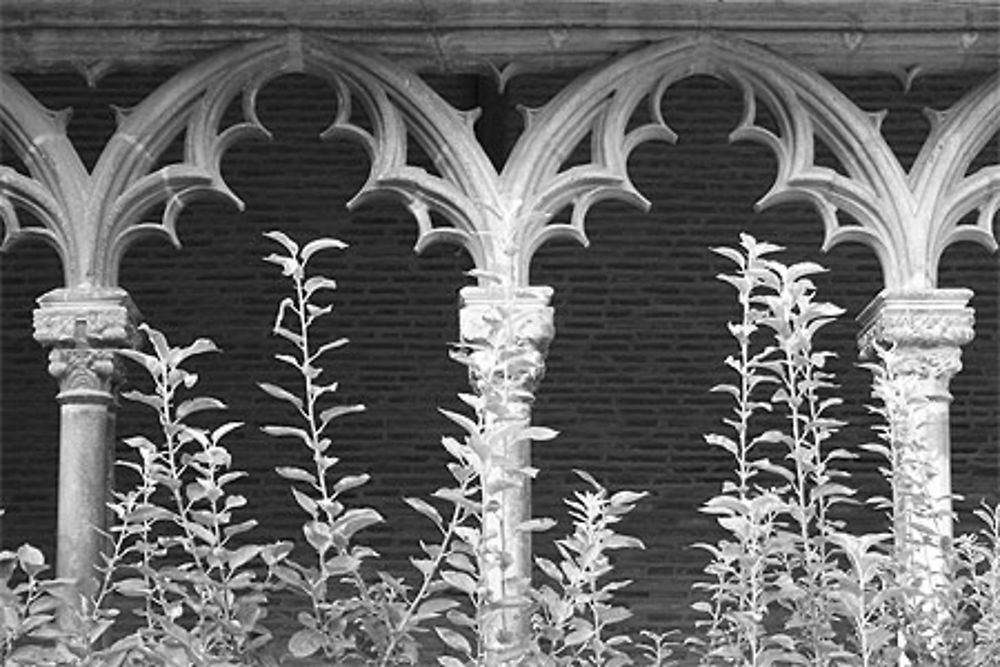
column 502, row 218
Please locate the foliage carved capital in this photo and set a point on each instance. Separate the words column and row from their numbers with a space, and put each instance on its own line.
column 927, row 363
column 925, row 331
column 84, row 327
column 505, row 337
column 85, row 375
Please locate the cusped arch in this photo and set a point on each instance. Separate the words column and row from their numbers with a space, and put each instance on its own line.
column 93, row 217
column 908, row 219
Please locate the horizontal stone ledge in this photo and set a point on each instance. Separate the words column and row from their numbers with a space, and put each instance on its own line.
column 451, row 36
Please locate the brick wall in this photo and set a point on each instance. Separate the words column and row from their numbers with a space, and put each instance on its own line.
column 640, row 320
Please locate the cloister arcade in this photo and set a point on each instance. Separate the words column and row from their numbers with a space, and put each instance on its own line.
column 624, row 57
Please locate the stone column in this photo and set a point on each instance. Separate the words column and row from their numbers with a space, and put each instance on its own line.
column 84, row 326
column 507, row 332
column 924, row 332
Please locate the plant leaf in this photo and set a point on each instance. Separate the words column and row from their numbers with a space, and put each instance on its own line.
column 318, row 245
column 281, row 394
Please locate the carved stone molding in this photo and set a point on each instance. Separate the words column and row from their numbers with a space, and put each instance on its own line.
column 928, row 363
column 85, row 374
column 84, row 327
column 502, row 217
column 100, row 317
column 507, row 335
column 845, row 36
column 940, row 317
column 926, row 331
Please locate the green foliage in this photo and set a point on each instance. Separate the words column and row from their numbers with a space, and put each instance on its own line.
column 779, row 561
column 573, row 616
column 788, row 584
column 185, row 556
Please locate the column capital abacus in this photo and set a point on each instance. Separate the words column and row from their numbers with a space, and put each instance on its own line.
column 506, row 334
column 926, row 331
column 83, row 327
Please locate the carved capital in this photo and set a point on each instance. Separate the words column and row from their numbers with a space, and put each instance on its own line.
column 99, row 317
column 84, row 326
column 85, row 375
column 506, row 335
column 925, row 330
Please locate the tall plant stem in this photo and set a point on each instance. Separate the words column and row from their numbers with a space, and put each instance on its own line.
column 456, row 519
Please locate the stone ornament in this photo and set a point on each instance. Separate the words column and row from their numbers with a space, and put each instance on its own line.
column 96, row 317
column 928, row 363
column 85, row 375
column 502, row 217
column 84, row 327
column 506, row 336
column 91, row 217
column 925, row 331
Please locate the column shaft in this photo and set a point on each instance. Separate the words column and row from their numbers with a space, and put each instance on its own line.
column 507, row 333
column 83, row 485
column 83, row 326
column 921, row 335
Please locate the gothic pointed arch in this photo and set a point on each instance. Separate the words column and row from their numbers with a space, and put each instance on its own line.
column 92, row 217
column 908, row 219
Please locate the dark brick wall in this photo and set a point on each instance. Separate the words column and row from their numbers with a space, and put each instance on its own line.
column 640, row 319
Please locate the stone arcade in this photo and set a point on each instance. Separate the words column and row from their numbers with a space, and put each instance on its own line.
column 771, row 52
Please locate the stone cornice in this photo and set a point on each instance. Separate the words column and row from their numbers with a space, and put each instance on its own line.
column 847, row 37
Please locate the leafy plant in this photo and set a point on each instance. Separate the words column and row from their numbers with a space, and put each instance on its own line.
column 379, row 623
column 28, row 605
column 572, row 619
column 778, row 592
column 977, row 568
column 779, row 557
column 502, row 365
column 342, row 629
column 789, row 584
column 201, row 600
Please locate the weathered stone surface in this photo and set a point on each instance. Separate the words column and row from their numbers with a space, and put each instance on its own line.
column 452, row 35
column 922, row 334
